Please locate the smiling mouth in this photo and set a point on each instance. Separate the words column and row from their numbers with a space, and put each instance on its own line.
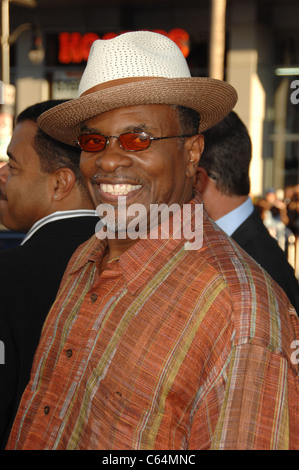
column 119, row 189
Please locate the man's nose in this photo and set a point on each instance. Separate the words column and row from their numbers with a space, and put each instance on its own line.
column 113, row 157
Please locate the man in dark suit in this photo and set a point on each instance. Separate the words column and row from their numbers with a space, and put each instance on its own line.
column 223, row 181
column 42, row 194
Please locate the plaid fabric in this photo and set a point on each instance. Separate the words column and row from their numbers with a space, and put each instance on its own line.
column 166, row 349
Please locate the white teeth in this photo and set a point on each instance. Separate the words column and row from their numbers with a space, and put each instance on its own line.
column 119, row 189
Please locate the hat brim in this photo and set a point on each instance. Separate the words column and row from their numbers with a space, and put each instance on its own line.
column 212, row 98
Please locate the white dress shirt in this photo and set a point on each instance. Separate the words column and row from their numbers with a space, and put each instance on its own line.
column 231, row 221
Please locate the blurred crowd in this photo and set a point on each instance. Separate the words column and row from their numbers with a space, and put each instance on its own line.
column 279, row 210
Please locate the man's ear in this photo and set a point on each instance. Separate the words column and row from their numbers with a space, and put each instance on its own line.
column 200, row 180
column 64, row 181
column 194, row 146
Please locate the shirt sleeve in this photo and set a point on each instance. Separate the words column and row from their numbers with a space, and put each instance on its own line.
column 252, row 406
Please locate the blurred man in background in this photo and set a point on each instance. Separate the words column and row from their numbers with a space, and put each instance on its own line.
column 223, row 182
column 42, row 194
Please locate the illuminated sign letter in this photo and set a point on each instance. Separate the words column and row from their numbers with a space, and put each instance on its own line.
column 69, row 48
column 181, row 38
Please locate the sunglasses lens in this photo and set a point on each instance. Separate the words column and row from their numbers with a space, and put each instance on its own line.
column 134, row 141
column 92, row 142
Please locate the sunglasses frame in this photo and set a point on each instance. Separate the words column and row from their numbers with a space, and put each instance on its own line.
column 210, row 175
column 127, row 133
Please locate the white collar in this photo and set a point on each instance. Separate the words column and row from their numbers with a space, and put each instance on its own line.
column 231, row 221
column 57, row 216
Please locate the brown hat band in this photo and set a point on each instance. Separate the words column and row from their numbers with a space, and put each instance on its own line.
column 117, row 82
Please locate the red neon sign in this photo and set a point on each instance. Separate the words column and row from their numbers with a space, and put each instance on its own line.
column 74, row 47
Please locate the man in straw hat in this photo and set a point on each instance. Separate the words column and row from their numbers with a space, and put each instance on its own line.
column 154, row 341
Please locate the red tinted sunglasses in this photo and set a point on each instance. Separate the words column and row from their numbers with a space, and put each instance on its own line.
column 130, row 141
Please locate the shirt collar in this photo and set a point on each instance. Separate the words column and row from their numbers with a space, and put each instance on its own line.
column 231, row 221
column 58, row 215
column 146, row 257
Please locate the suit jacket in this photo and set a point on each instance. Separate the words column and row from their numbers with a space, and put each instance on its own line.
column 255, row 239
column 30, row 276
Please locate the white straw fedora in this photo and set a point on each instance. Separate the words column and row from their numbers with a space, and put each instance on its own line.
column 137, row 68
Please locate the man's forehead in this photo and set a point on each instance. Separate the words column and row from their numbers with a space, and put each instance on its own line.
column 21, row 143
column 24, row 131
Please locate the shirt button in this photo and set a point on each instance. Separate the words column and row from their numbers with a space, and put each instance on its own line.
column 47, row 410
column 93, row 297
column 69, row 353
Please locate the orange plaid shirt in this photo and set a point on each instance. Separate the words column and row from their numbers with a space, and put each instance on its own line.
column 166, row 349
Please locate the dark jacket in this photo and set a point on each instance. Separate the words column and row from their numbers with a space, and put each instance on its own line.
column 30, row 276
column 255, row 239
